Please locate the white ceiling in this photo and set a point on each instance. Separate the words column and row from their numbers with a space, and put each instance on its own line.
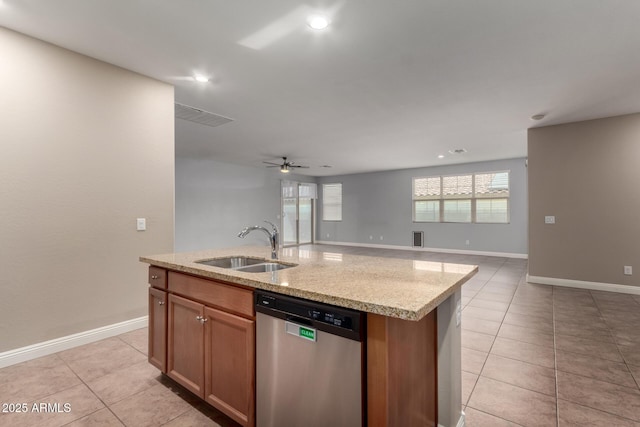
column 390, row 84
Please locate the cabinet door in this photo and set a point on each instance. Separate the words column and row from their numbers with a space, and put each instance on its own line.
column 230, row 365
column 158, row 329
column 185, row 355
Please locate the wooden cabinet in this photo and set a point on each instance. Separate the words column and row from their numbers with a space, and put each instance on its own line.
column 402, row 371
column 158, row 329
column 185, row 347
column 210, row 340
column 158, row 277
column 230, row 364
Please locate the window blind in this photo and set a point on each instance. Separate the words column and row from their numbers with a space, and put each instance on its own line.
column 308, row 190
column 332, row 202
column 479, row 197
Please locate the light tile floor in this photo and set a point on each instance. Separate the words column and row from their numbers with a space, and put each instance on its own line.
column 107, row 383
column 532, row 355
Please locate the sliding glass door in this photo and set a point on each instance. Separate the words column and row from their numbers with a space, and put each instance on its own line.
column 298, row 213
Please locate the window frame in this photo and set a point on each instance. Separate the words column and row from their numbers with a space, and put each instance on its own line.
column 472, row 198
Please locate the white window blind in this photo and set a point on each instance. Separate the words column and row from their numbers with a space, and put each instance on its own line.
column 332, row 202
column 492, row 210
column 426, row 210
column 457, row 211
column 289, row 189
column 492, row 197
column 480, row 198
column 304, row 190
column 307, row 190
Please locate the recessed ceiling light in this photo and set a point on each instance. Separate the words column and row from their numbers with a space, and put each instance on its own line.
column 538, row 117
column 317, row 22
column 200, row 78
column 441, row 156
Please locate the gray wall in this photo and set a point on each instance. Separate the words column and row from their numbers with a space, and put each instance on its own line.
column 85, row 149
column 379, row 204
column 586, row 174
column 215, row 200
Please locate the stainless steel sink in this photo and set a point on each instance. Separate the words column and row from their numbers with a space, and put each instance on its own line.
column 231, row 262
column 264, row 267
column 246, row 264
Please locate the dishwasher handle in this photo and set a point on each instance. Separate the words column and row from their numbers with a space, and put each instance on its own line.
column 300, row 320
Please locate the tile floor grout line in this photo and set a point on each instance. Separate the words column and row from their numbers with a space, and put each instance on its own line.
column 494, row 339
column 483, row 365
column 615, row 341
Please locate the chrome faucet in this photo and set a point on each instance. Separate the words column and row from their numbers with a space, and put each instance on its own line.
column 273, row 236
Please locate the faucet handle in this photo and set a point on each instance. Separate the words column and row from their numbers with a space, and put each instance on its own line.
column 275, row 229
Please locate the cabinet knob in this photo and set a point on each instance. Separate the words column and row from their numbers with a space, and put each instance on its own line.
column 201, row 319
column 160, row 302
column 154, row 277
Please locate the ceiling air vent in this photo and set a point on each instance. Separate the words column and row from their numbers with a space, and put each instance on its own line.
column 197, row 115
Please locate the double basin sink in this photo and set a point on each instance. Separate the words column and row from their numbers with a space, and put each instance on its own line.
column 245, row 264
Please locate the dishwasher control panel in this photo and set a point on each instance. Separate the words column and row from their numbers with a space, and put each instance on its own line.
column 308, row 311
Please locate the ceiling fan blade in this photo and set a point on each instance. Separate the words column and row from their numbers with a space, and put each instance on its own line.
column 273, row 166
column 297, row 166
column 271, row 163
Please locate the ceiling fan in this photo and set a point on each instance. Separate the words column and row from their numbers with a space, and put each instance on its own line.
column 285, row 166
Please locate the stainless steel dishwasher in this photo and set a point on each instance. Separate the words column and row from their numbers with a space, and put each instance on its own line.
column 309, row 363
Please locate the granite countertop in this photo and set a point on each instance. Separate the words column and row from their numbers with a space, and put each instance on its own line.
column 402, row 288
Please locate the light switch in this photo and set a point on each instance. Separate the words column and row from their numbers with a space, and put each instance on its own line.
column 141, row 224
column 549, row 219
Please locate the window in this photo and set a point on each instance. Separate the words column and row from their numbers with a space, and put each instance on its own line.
column 479, row 198
column 332, row 202
column 426, row 199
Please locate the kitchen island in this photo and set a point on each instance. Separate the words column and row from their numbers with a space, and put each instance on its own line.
column 412, row 343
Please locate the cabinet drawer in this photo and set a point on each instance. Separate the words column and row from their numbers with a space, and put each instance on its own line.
column 158, row 277
column 227, row 297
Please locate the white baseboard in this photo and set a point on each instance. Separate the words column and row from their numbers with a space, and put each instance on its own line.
column 460, row 421
column 45, row 348
column 411, row 248
column 581, row 284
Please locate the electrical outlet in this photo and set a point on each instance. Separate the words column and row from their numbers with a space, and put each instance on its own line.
column 549, row 219
column 467, row 243
column 628, row 270
column 141, row 224
column 381, row 238
column 328, row 235
column 370, row 237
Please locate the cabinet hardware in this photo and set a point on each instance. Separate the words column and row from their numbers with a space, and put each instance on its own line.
column 160, row 302
column 201, row 319
column 154, row 277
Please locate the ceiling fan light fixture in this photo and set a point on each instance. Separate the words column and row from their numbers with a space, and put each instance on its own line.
column 284, row 169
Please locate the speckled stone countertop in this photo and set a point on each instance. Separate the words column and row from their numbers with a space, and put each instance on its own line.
column 402, row 288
